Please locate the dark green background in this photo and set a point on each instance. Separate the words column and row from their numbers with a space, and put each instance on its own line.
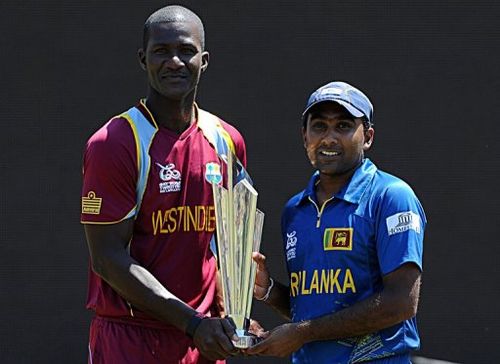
column 431, row 69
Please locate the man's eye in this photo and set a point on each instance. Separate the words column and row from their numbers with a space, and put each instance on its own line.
column 188, row 51
column 318, row 126
column 159, row 51
column 344, row 125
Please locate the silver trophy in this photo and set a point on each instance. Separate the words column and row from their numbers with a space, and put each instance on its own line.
column 239, row 229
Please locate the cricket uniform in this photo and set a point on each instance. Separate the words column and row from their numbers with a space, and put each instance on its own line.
column 135, row 169
column 338, row 253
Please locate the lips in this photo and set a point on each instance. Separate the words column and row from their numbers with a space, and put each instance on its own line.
column 174, row 76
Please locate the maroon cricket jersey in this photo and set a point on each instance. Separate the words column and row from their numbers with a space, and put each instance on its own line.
column 176, row 219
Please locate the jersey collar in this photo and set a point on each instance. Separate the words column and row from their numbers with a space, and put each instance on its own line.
column 143, row 108
column 352, row 191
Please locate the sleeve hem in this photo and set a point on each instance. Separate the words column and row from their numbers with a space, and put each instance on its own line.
column 392, row 269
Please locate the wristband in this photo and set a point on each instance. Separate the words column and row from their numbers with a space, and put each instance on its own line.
column 266, row 296
column 193, row 324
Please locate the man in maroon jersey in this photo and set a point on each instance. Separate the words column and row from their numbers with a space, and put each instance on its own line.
column 147, row 209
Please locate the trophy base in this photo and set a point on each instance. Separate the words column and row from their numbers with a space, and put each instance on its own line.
column 245, row 341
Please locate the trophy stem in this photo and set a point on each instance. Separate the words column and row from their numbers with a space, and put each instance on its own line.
column 245, row 339
column 233, row 250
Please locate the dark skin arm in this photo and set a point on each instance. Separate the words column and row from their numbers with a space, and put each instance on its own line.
column 279, row 297
column 397, row 302
column 112, row 262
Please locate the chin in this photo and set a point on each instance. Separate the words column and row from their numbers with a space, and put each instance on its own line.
column 172, row 96
column 175, row 93
column 328, row 171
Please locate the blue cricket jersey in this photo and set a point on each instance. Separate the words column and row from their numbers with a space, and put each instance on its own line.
column 338, row 253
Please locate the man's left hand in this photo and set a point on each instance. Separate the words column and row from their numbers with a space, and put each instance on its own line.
column 256, row 329
column 282, row 341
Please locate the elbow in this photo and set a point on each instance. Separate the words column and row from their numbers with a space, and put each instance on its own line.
column 413, row 309
column 97, row 266
column 100, row 266
column 407, row 309
column 399, row 309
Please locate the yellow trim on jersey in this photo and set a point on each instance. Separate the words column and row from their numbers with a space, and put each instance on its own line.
column 228, row 139
column 136, row 138
column 205, row 121
column 138, row 145
column 143, row 103
column 219, row 126
column 105, row 222
column 127, row 216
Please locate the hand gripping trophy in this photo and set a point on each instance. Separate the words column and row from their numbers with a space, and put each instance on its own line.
column 239, row 229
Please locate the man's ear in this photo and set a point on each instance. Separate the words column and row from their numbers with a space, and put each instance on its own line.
column 205, row 57
column 141, row 56
column 304, row 139
column 369, row 134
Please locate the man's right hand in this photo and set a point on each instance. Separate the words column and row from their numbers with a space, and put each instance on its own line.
column 213, row 338
column 261, row 276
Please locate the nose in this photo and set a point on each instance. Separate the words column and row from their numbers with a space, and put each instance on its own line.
column 330, row 137
column 174, row 62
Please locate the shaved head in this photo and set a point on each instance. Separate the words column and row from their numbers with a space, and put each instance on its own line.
column 173, row 13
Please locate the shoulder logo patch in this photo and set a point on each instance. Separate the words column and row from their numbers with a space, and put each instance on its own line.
column 212, row 173
column 338, row 239
column 402, row 222
column 291, row 245
column 91, row 204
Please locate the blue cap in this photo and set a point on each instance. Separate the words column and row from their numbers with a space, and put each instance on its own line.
column 356, row 102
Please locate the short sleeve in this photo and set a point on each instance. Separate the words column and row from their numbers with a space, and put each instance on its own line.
column 400, row 228
column 109, row 174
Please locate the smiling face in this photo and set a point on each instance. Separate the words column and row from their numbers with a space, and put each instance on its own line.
column 174, row 58
column 335, row 141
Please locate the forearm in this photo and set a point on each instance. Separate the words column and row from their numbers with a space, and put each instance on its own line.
column 379, row 311
column 142, row 290
column 279, row 299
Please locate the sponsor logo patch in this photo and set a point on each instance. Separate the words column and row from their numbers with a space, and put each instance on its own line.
column 171, row 178
column 402, row 222
column 91, row 204
column 291, row 243
column 213, row 174
column 337, row 239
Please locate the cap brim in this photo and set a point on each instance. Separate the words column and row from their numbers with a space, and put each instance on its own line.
column 352, row 110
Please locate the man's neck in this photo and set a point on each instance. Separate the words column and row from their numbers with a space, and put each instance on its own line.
column 175, row 115
column 329, row 185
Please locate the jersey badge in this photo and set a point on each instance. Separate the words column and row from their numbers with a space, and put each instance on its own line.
column 91, row 204
column 212, row 173
column 291, row 245
column 402, row 222
column 337, row 239
column 171, row 178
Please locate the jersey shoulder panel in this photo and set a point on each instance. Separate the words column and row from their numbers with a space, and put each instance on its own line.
column 394, row 193
column 115, row 134
column 238, row 140
column 109, row 173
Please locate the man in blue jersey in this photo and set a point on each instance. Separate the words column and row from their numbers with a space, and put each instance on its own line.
column 353, row 245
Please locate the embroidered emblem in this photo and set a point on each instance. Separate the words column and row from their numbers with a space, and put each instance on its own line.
column 212, row 173
column 337, row 239
column 171, row 178
column 91, row 204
